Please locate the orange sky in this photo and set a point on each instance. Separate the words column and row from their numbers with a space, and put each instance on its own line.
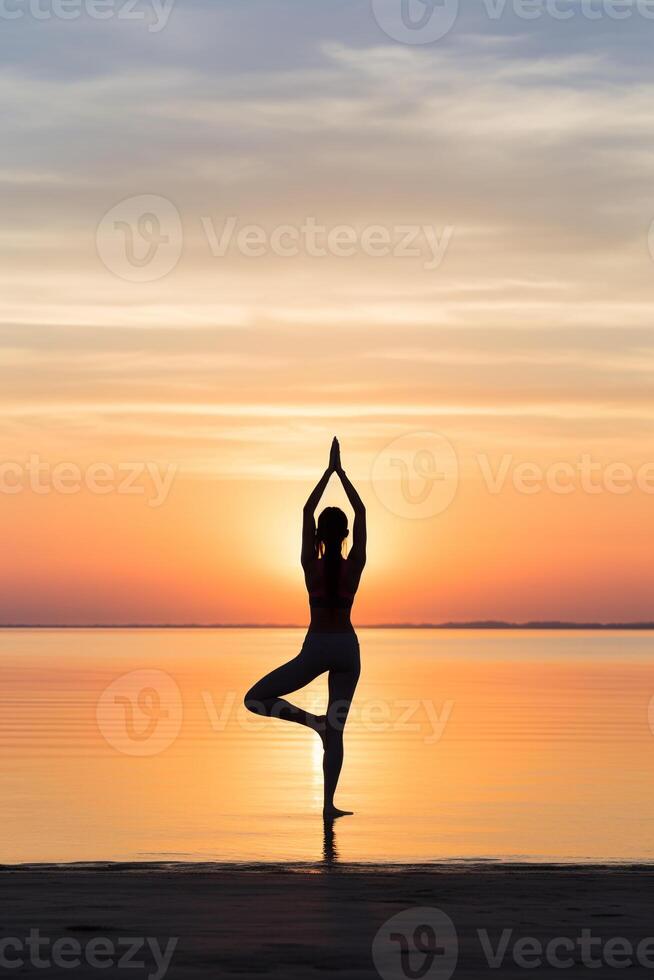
column 518, row 328
column 227, row 551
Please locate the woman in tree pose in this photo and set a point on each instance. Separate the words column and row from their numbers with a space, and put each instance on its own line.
column 331, row 645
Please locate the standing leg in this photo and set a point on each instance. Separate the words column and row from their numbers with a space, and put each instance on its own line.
column 265, row 697
column 341, row 691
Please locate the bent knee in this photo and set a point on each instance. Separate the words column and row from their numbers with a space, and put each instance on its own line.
column 254, row 702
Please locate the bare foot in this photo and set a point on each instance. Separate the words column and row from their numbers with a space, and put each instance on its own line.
column 332, row 813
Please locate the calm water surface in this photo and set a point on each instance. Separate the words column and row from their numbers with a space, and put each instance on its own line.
column 134, row 745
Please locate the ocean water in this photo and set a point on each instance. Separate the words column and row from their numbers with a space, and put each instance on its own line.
column 134, row 745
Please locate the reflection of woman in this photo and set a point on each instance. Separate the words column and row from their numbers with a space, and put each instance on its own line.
column 331, row 643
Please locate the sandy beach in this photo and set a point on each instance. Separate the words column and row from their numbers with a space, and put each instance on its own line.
column 304, row 921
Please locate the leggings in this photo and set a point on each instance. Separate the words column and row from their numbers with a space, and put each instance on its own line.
column 335, row 653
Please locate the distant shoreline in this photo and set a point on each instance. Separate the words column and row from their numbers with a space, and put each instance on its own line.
column 473, row 625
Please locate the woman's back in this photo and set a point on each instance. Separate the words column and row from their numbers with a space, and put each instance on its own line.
column 331, row 593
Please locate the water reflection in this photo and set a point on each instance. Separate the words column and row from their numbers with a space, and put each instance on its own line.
column 329, row 848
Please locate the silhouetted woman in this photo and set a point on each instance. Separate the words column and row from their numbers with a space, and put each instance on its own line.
column 331, row 643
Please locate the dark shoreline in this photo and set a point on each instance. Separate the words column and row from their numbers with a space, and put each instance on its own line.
column 298, row 922
column 472, row 866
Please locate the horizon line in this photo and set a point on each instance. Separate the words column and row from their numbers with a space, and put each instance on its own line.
column 489, row 624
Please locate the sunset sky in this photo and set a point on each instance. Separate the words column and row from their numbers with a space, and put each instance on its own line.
column 524, row 146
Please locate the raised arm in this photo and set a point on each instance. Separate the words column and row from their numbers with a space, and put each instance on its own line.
column 359, row 534
column 308, row 519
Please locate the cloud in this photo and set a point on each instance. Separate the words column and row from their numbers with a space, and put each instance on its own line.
column 534, row 151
